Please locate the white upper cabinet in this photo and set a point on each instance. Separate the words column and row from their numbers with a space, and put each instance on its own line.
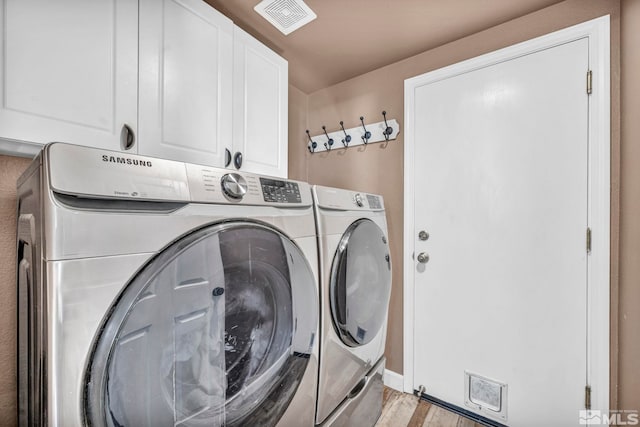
column 186, row 55
column 260, row 107
column 68, row 71
column 173, row 79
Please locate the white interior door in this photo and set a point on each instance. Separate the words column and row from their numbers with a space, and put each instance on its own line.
column 501, row 186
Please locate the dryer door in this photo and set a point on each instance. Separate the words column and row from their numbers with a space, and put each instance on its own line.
column 215, row 330
column 360, row 283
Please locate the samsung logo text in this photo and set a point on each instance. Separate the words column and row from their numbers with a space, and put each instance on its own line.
column 126, row 161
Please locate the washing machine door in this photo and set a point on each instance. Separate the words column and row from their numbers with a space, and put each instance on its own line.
column 215, row 330
column 360, row 283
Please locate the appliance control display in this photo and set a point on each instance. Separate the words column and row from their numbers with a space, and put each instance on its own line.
column 374, row 202
column 280, row 191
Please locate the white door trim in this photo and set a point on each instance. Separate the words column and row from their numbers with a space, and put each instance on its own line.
column 597, row 31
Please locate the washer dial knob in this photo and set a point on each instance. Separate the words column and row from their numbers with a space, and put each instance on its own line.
column 234, row 185
column 358, row 200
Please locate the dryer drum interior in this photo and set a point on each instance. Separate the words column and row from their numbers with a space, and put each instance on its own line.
column 210, row 332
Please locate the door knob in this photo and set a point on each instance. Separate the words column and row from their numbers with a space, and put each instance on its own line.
column 423, row 258
column 423, row 235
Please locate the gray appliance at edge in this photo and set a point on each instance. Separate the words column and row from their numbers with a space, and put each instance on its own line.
column 355, row 285
column 158, row 293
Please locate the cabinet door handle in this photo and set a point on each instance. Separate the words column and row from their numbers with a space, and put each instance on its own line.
column 227, row 157
column 237, row 160
column 127, row 137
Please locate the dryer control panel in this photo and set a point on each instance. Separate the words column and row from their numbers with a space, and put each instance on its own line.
column 337, row 198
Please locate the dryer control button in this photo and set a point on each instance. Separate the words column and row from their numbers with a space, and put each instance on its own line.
column 358, row 199
column 234, row 185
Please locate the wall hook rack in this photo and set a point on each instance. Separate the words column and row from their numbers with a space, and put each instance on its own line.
column 363, row 134
column 329, row 140
column 347, row 138
column 312, row 144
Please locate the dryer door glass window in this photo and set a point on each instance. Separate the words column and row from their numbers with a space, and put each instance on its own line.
column 215, row 330
column 360, row 283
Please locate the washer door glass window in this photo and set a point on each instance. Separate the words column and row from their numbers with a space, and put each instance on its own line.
column 215, row 330
column 360, row 283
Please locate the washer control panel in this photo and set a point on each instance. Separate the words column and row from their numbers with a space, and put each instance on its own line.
column 275, row 190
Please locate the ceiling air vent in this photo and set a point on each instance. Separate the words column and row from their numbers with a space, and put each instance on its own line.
column 286, row 15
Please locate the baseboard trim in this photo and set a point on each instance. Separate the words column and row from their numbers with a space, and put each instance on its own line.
column 393, row 380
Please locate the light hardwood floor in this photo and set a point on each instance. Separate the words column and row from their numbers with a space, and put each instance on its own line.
column 402, row 409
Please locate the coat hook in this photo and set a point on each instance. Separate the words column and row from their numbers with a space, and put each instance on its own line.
column 329, row 140
column 367, row 134
column 388, row 130
column 347, row 138
column 312, row 149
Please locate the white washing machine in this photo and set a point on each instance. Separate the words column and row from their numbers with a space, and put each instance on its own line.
column 159, row 293
column 355, row 285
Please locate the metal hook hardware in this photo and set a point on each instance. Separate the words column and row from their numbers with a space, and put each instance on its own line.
column 313, row 146
column 367, row 134
column 347, row 138
column 388, row 130
column 329, row 140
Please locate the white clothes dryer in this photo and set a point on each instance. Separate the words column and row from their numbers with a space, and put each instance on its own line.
column 355, row 285
column 159, row 293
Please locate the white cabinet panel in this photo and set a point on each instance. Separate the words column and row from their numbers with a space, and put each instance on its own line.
column 68, row 70
column 260, row 89
column 186, row 53
column 178, row 74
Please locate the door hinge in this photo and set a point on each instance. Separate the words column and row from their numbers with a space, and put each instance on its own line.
column 588, row 240
column 587, row 397
column 589, row 82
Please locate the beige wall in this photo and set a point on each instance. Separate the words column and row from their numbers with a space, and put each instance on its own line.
column 298, row 113
column 10, row 170
column 629, row 309
column 379, row 169
column 376, row 168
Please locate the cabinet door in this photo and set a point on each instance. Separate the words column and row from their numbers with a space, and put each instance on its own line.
column 68, row 71
column 186, row 53
column 260, row 89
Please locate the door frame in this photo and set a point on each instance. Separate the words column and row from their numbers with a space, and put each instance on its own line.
column 598, row 210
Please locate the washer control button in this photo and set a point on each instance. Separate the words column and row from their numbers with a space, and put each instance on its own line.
column 234, row 185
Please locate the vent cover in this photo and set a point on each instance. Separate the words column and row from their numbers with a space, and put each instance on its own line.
column 286, row 15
